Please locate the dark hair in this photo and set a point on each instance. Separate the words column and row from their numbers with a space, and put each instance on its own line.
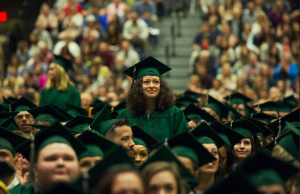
column 230, row 157
column 106, row 181
column 111, row 133
column 136, row 101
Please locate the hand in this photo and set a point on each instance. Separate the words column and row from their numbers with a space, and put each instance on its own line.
column 18, row 164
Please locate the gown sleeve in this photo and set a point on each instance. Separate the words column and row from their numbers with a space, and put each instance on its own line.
column 43, row 99
column 76, row 98
column 180, row 122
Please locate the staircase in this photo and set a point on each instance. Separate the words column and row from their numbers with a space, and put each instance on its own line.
column 178, row 78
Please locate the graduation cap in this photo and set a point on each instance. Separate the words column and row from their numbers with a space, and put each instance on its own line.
column 6, row 115
column 282, row 107
column 47, row 113
column 116, row 110
column 263, row 160
column 63, row 62
column 206, row 134
column 192, row 111
column 237, row 182
column 164, row 154
column 292, row 117
column 185, row 101
column 290, row 141
column 263, row 117
column 9, row 140
column 97, row 102
column 250, row 110
column 97, row 109
column 261, row 125
column 62, row 111
column 186, row 145
column 10, row 124
column 266, row 177
column 21, row 105
column 99, row 121
column 233, row 112
column 76, row 110
column 91, row 138
column 55, row 133
column 193, row 94
column 290, row 100
column 80, row 123
column 114, row 156
column 218, row 107
column 142, row 138
column 41, row 127
column 237, row 98
column 245, row 128
column 228, row 135
column 149, row 66
column 267, row 106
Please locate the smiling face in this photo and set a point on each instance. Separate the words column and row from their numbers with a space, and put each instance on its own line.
column 124, row 138
column 141, row 154
column 56, row 163
column 212, row 167
column 151, row 86
column 242, row 150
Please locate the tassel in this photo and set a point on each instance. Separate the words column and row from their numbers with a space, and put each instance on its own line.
column 90, row 111
column 31, row 159
column 279, row 130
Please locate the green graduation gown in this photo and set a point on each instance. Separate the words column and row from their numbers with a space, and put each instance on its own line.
column 60, row 98
column 19, row 189
column 160, row 125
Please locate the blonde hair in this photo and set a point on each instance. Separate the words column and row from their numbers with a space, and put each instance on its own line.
column 197, row 79
column 292, row 185
column 150, row 170
column 61, row 80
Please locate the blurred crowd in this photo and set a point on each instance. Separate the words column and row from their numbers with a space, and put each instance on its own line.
column 248, row 46
column 101, row 37
column 251, row 47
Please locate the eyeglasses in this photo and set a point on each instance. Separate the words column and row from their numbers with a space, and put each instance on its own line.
column 27, row 116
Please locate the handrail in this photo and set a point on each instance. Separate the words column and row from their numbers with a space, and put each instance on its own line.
column 167, row 55
column 178, row 21
column 173, row 40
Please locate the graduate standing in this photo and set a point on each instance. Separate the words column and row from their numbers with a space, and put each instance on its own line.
column 59, row 89
column 150, row 102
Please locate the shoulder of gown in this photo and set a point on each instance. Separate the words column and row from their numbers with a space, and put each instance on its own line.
column 168, row 112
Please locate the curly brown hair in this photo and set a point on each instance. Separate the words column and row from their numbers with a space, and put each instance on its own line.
column 137, row 103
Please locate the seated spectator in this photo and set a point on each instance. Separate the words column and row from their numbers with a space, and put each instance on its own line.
column 295, row 51
column 129, row 55
column 251, row 69
column 15, row 64
column 267, row 76
column 160, row 8
column 103, row 71
column 153, row 35
column 247, row 34
column 119, row 68
column 106, row 55
column 42, row 34
column 223, row 59
column 45, row 55
column 49, row 20
column 86, row 100
column 80, row 67
column 205, row 31
column 194, row 83
column 136, row 31
column 33, row 45
column 113, row 37
column 284, row 28
column 89, row 33
column 72, row 24
column 217, row 88
column 39, row 78
column 237, row 22
column 224, row 49
column 116, row 22
column 274, row 94
column 206, row 78
column 227, row 79
column 205, row 59
column 275, row 15
column 68, row 42
column 141, row 6
column 226, row 33
column 87, row 53
column 285, row 88
column 90, row 6
column 214, row 30
column 22, row 52
column 118, row 8
column 259, row 85
column 249, row 15
column 75, row 5
column 285, row 69
column 241, row 85
column 33, row 62
column 261, row 20
column 242, row 56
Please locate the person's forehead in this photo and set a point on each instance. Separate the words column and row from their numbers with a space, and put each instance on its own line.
column 150, row 77
column 127, row 180
column 57, row 148
column 124, row 130
column 209, row 146
column 140, row 148
column 4, row 151
column 23, row 113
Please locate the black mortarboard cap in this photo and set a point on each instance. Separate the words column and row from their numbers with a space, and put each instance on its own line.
column 194, row 111
column 21, row 104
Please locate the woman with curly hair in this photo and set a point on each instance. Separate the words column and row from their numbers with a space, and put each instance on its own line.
column 151, row 103
column 59, row 89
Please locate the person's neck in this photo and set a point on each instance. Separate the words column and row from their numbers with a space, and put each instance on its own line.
column 150, row 106
column 206, row 181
